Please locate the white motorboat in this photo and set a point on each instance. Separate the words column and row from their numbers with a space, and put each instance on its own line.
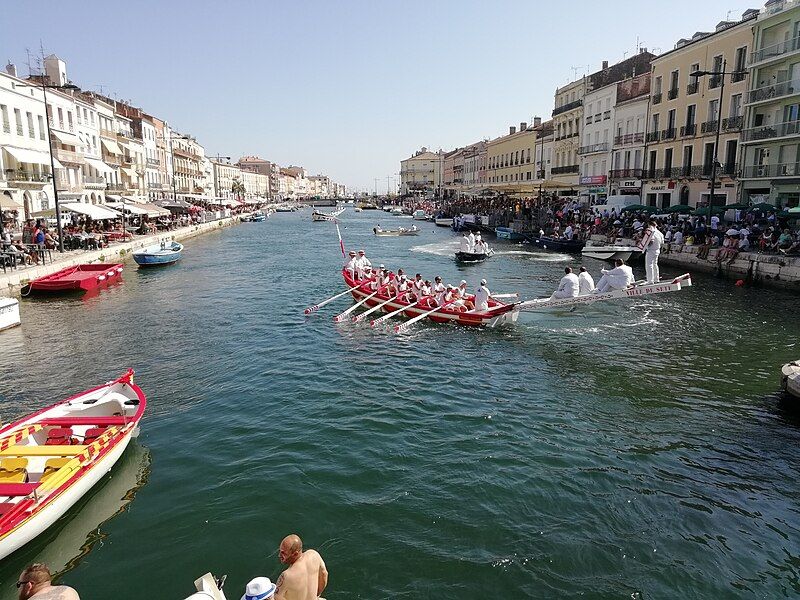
column 9, row 313
column 419, row 215
column 208, row 588
column 321, row 216
column 790, row 378
column 397, row 210
column 357, row 209
column 395, row 232
column 444, row 221
column 610, row 252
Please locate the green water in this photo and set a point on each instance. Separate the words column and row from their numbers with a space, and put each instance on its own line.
column 636, row 447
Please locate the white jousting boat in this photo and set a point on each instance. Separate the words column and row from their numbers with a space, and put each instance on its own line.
column 610, row 252
column 9, row 313
column 52, row 458
column 321, row 216
column 790, row 378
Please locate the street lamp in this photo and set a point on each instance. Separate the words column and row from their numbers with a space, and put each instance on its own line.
column 45, row 87
column 714, row 160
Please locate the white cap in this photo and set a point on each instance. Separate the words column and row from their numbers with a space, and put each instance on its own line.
column 463, row 282
column 483, row 282
column 259, row 588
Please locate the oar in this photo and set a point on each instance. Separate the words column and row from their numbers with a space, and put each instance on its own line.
column 391, row 314
column 404, row 326
column 340, row 317
column 514, row 295
column 363, row 315
column 316, row 307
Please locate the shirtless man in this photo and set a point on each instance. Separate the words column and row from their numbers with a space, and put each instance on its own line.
column 306, row 577
column 35, row 582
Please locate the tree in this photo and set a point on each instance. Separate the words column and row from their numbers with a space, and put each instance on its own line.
column 238, row 189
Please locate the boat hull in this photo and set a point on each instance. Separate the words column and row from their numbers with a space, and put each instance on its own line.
column 156, row 256
column 470, row 257
column 790, row 378
column 505, row 233
column 79, row 278
column 9, row 313
column 609, row 252
column 557, row 245
column 443, row 222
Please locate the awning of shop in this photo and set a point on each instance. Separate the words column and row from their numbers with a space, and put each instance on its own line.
column 134, row 209
column 155, row 211
column 33, row 157
column 8, row 203
column 95, row 211
column 70, row 139
column 129, row 172
column 99, row 165
column 111, row 146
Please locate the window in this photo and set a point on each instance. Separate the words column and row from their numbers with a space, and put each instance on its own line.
column 654, row 123
column 671, row 120
column 18, row 120
column 667, row 162
column 713, row 108
column 673, row 83
column 687, row 160
column 657, row 86
column 691, row 115
column 4, row 113
column 41, row 127
column 739, row 61
column 736, row 106
column 69, row 119
column 31, row 129
column 61, row 118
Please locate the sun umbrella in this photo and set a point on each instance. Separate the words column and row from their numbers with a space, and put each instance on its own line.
column 794, row 211
column 736, row 206
column 638, row 208
column 678, row 208
column 704, row 211
column 762, row 206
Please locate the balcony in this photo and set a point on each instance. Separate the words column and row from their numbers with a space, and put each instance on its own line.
column 657, row 98
column 714, row 81
column 94, row 183
column 668, row 134
column 109, row 133
column 732, row 123
column 22, row 177
column 68, row 156
column 567, row 107
column 606, row 115
column 652, row 136
column 593, row 148
column 629, row 138
column 738, row 76
column 774, row 91
column 772, row 171
column 565, row 170
column 60, row 126
column 627, row 173
column 688, row 130
column 540, row 174
column 153, row 162
column 589, row 120
column 769, row 132
column 63, row 184
column 115, row 187
column 672, row 94
column 774, row 50
column 708, row 127
column 691, row 89
column 598, row 117
column 113, row 160
column 20, row 131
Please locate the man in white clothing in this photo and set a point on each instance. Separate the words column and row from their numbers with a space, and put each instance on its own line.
column 351, row 264
column 465, row 243
column 651, row 244
column 568, row 232
column 471, row 238
column 568, row 286
column 482, row 296
column 438, row 290
column 618, row 278
column 585, row 282
column 363, row 263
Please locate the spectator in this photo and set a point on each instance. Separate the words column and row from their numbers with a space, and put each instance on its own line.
column 36, row 582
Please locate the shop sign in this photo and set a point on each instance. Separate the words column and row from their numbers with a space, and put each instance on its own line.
column 592, row 180
column 632, row 183
column 656, row 188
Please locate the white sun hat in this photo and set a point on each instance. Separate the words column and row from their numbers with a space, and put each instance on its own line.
column 259, row 588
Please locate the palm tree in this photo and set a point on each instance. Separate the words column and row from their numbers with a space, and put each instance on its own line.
column 238, row 189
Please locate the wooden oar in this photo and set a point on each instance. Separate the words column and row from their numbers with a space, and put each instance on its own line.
column 391, row 314
column 340, row 317
column 514, row 295
column 364, row 315
column 316, row 307
column 404, row 326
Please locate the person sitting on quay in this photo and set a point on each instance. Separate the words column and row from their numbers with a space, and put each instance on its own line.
column 794, row 248
column 618, row 278
column 306, row 577
column 36, row 582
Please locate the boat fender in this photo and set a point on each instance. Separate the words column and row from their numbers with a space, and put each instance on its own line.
column 101, row 278
column 111, row 273
column 119, row 269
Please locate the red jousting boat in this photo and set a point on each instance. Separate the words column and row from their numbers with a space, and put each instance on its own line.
column 499, row 312
column 77, row 278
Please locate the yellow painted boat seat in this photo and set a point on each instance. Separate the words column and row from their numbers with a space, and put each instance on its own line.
column 13, row 470
column 51, row 466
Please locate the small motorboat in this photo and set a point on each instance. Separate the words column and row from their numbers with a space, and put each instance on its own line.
column 443, row 221
column 396, row 210
column 471, row 257
column 52, row 458
column 506, row 233
column 790, row 378
column 610, row 252
column 419, row 215
column 258, row 217
column 78, row 278
column 357, row 209
column 208, row 588
column 395, row 232
column 9, row 313
column 557, row 244
column 321, row 216
column 156, row 255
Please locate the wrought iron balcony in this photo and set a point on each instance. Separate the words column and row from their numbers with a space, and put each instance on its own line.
column 732, row 123
column 629, row 138
column 656, row 98
column 652, row 136
column 565, row 170
column 714, row 81
column 22, row 177
column 691, row 89
column 708, row 127
column 687, row 130
column 738, row 76
column 771, row 131
column 668, row 134
column 772, row 171
column 627, row 173
column 116, row 187
column 774, row 50
column 603, row 147
column 774, row 91
column 566, row 107
column 6, row 127
column 153, row 162
column 672, row 94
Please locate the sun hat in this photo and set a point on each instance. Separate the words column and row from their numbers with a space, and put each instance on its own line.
column 463, row 282
column 259, row 588
column 361, row 252
column 483, row 282
column 352, row 252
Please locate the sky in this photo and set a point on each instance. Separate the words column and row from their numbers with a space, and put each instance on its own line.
column 345, row 88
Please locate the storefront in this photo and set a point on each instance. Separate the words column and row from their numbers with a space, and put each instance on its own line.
column 593, row 189
column 784, row 193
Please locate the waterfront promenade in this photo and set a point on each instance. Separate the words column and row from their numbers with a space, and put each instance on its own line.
column 13, row 280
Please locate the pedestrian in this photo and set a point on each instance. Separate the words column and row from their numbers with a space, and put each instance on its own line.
column 306, row 576
column 36, row 582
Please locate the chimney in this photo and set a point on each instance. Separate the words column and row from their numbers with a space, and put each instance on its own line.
column 605, row 64
column 512, row 130
column 537, row 121
column 11, row 69
column 56, row 70
column 523, row 126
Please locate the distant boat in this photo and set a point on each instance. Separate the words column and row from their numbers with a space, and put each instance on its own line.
column 419, row 215
column 790, row 378
column 158, row 254
column 78, row 278
column 469, row 257
column 321, row 216
column 610, row 252
column 395, row 232
column 557, row 244
column 397, row 210
column 443, row 221
column 258, row 217
column 506, row 233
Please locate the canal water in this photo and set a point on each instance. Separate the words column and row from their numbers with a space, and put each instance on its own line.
column 635, row 449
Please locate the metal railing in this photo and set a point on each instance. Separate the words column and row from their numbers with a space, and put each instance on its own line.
column 91, row 180
column 20, row 130
column 656, row 98
column 776, row 90
column 672, row 94
column 629, row 138
column 668, row 134
column 691, row 88
column 771, row 131
column 738, row 75
column 730, row 123
column 568, row 106
column 606, row 115
column 714, row 81
column 779, row 170
column 6, row 127
column 153, row 162
column 27, row 176
column 775, row 50
column 708, row 127
column 115, row 187
column 70, row 127
column 565, row 170
column 690, row 129
column 67, row 155
column 652, row 136
column 627, row 173
column 603, row 147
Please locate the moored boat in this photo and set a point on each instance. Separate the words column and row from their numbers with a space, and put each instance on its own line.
column 9, row 313
column 790, row 378
column 321, row 216
column 52, row 458
column 470, row 257
column 506, row 233
column 395, row 232
column 609, row 252
column 419, row 215
column 397, row 210
column 258, row 217
column 158, row 254
column 443, row 221
column 77, row 278
column 557, row 244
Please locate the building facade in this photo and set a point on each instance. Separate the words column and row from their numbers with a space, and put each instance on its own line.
column 595, row 148
column 422, row 172
column 509, row 158
column 475, row 165
column 567, row 119
column 628, row 145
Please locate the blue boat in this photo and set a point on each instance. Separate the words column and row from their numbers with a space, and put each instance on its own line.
column 506, row 233
column 164, row 253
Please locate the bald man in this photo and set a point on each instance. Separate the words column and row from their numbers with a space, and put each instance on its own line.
column 35, row 582
column 306, row 577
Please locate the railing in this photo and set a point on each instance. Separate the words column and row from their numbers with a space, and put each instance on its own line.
column 125, row 134
column 20, row 131
column 108, row 132
column 112, row 159
column 708, row 127
column 6, row 127
column 672, row 94
column 627, row 173
column 775, row 50
column 115, row 187
column 565, row 170
column 738, row 75
column 92, row 181
column 688, row 129
column 771, row 131
column 691, row 89
column 31, row 132
column 598, row 117
column 779, row 170
column 153, row 162
column 668, row 134
column 67, row 155
column 656, row 98
column 730, row 123
column 540, row 174
column 776, row 90
column 603, row 147
column 70, row 127
column 63, row 184
column 27, row 176
column 714, row 81
column 568, row 106
column 649, row 173
column 589, row 120
column 629, row 138
column 606, row 115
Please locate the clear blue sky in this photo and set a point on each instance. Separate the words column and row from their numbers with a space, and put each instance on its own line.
column 345, row 88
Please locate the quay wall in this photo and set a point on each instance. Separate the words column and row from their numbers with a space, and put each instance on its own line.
column 12, row 281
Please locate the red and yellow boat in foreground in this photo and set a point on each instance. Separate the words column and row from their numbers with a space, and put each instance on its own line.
column 51, row 459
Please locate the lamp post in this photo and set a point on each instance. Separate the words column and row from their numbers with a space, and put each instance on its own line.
column 714, row 160
column 45, row 87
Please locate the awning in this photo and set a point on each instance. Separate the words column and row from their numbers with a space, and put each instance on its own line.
column 99, row 165
column 133, row 209
column 155, row 211
column 95, row 211
column 8, row 203
column 57, row 164
column 33, row 157
column 129, row 172
column 111, row 146
column 70, row 139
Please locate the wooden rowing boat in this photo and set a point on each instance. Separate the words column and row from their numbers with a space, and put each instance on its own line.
column 395, row 232
column 318, row 216
column 77, row 278
column 52, row 458
column 470, row 257
column 158, row 254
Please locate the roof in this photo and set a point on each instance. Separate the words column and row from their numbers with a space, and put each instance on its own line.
column 702, row 36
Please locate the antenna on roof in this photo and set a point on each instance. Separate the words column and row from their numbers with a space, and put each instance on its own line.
column 575, row 72
column 28, row 63
column 728, row 15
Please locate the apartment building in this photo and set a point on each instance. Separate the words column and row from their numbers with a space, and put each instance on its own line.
column 475, row 164
column 628, row 145
column 87, row 127
column 265, row 167
column 595, row 149
column 770, row 163
column 509, row 158
column 684, row 113
column 422, row 172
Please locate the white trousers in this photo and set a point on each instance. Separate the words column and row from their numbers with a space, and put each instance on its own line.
column 651, row 266
column 561, row 294
column 602, row 285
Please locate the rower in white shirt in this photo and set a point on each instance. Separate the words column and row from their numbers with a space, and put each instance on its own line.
column 568, row 286
column 416, row 288
column 351, row 266
column 465, row 243
column 618, row 278
column 400, row 284
column 651, row 243
column 438, row 290
column 585, row 282
column 363, row 263
column 482, row 296
column 463, row 299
